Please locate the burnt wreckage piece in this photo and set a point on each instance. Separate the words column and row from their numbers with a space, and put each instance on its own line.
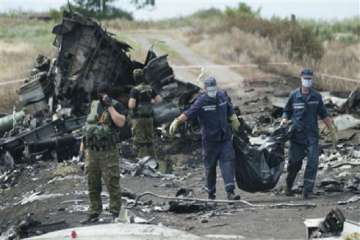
column 88, row 55
column 64, row 86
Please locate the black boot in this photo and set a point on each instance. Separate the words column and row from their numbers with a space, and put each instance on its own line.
column 288, row 191
column 308, row 195
column 92, row 218
column 290, row 178
column 232, row 197
column 211, row 196
column 114, row 216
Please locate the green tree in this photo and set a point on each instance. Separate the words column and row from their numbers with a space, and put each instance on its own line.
column 104, row 8
column 143, row 3
column 243, row 10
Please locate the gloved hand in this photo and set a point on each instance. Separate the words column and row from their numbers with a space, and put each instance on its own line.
column 283, row 122
column 106, row 100
column 174, row 126
column 235, row 123
column 333, row 135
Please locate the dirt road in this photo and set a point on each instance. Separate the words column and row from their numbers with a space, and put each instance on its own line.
column 186, row 64
column 227, row 79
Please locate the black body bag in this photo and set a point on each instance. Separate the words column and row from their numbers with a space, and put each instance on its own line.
column 259, row 168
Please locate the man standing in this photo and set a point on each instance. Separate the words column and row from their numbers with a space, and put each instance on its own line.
column 142, row 96
column 102, row 159
column 303, row 108
column 213, row 111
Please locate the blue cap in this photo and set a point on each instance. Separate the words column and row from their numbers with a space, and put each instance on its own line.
column 210, row 82
column 307, row 73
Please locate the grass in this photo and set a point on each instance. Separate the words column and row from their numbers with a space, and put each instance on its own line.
column 8, row 98
column 240, row 36
column 137, row 52
column 237, row 35
column 346, row 30
column 21, row 40
column 164, row 48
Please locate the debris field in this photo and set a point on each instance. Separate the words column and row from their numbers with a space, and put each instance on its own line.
column 42, row 183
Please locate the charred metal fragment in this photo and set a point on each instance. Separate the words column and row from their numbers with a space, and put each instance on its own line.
column 87, row 56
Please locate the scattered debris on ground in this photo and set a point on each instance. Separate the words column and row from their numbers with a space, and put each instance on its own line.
column 41, row 173
column 333, row 226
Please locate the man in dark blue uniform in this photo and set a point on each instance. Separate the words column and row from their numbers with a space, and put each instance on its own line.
column 303, row 108
column 214, row 110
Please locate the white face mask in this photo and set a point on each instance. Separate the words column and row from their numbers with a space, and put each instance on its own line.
column 211, row 91
column 306, row 82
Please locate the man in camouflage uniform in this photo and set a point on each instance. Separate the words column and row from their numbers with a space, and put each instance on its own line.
column 105, row 118
column 142, row 96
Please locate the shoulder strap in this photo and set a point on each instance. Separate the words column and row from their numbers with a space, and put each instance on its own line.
column 92, row 117
column 144, row 87
column 139, row 87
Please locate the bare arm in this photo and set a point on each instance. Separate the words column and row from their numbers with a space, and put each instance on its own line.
column 118, row 119
column 132, row 103
column 182, row 118
column 328, row 122
column 82, row 146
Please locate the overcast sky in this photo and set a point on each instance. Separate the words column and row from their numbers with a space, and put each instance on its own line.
column 323, row 9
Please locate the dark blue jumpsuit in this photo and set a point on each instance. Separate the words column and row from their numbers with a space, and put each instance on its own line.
column 213, row 115
column 304, row 110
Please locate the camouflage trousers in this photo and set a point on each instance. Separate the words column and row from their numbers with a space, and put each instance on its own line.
column 143, row 136
column 103, row 165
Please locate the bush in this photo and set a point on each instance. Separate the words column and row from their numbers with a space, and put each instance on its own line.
column 243, row 10
column 292, row 39
column 207, row 13
column 111, row 13
column 56, row 15
column 347, row 29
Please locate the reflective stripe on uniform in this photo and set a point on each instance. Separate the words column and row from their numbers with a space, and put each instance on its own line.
column 313, row 102
column 209, row 108
column 298, row 105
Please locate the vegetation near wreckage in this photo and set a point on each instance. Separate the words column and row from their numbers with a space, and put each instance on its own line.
column 101, row 9
column 331, row 47
column 241, row 35
column 21, row 40
column 236, row 35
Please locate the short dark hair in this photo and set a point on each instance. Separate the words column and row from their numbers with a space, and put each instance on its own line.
column 103, row 88
column 138, row 75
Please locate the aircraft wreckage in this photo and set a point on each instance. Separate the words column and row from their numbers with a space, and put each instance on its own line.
column 57, row 94
column 56, row 98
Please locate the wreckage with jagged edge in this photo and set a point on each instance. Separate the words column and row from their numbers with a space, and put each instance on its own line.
column 58, row 92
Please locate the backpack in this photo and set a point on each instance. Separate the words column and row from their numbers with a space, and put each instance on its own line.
column 144, row 107
column 97, row 130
